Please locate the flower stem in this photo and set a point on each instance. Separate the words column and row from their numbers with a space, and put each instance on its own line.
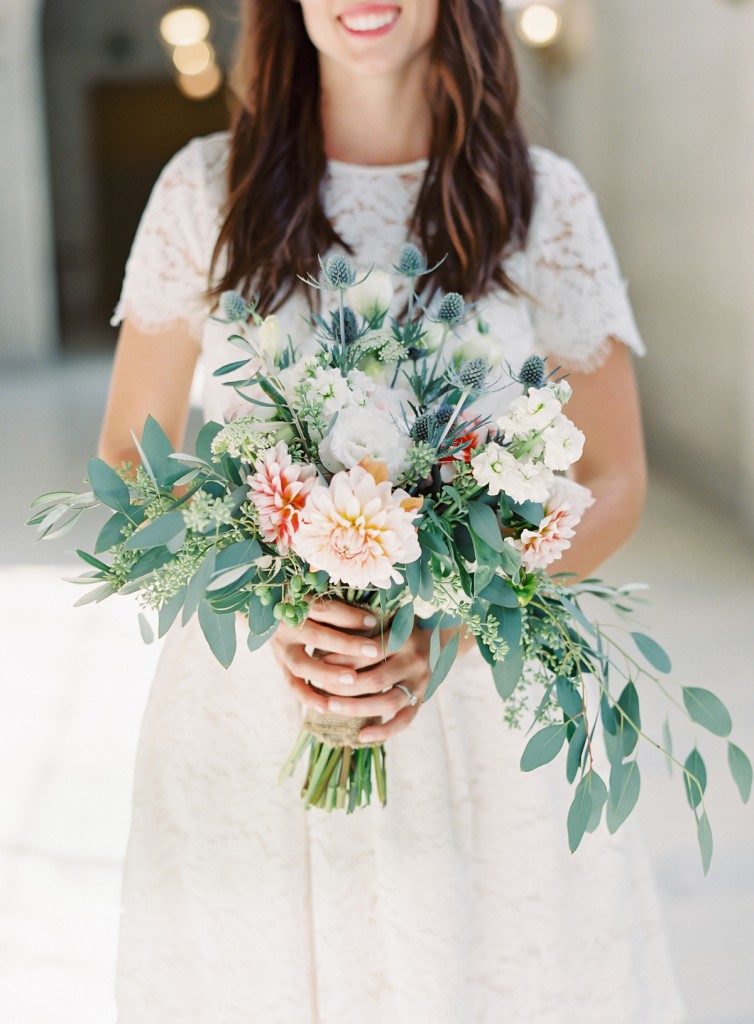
column 440, row 347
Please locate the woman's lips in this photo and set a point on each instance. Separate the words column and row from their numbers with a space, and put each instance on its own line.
column 369, row 19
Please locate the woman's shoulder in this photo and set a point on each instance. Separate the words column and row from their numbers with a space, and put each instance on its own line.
column 198, row 171
column 557, row 181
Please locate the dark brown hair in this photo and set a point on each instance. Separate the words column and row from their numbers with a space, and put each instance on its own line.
column 476, row 199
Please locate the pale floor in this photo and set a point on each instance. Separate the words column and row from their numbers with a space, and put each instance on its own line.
column 74, row 683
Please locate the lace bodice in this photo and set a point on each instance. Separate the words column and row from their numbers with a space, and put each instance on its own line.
column 575, row 298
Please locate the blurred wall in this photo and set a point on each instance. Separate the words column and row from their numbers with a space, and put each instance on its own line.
column 659, row 115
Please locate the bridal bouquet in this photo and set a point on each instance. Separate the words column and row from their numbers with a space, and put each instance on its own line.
column 362, row 467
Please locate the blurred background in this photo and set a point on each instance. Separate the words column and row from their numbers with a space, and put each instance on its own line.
column 654, row 102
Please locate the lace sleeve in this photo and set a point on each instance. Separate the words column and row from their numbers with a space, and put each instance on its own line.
column 580, row 297
column 168, row 268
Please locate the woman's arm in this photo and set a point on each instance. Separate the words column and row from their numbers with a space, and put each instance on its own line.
column 605, row 405
column 152, row 375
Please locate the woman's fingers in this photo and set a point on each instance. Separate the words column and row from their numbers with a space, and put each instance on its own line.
column 318, row 636
column 304, row 693
column 344, row 616
column 380, row 733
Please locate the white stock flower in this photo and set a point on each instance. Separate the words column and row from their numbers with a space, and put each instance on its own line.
column 361, row 431
column 269, row 339
column 498, row 470
column 564, row 443
column 372, row 296
column 561, row 389
column 531, row 412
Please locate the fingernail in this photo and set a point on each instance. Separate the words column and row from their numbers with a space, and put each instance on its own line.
column 370, row 650
column 345, row 678
column 366, row 737
column 370, row 620
column 334, row 705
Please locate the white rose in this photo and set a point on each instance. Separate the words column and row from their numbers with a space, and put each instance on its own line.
column 482, row 346
column 564, row 443
column 373, row 296
column 269, row 339
column 498, row 470
column 393, row 401
column 433, row 333
column 361, row 431
column 531, row 412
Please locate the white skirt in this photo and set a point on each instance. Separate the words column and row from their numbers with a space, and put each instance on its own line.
column 458, row 903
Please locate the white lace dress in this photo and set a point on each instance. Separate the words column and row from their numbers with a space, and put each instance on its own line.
column 459, row 903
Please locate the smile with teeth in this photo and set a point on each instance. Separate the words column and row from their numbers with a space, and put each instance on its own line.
column 369, row 22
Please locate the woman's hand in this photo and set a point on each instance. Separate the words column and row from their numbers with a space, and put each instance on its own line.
column 357, row 676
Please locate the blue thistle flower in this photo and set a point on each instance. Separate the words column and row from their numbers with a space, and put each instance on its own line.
column 350, row 326
column 451, row 309
column 411, row 262
column 443, row 414
column 422, row 427
column 233, row 306
column 473, row 374
column 532, row 373
column 337, row 272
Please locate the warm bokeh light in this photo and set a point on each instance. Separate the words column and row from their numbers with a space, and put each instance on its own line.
column 539, row 25
column 203, row 85
column 184, row 26
column 192, row 60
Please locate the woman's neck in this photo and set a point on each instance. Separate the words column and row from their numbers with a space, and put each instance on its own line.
column 375, row 120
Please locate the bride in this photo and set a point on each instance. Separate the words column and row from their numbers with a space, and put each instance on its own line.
column 360, row 126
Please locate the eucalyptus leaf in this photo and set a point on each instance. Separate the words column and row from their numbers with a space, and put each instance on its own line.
column 740, row 769
column 242, row 553
column 575, row 612
column 147, row 633
column 401, row 627
column 628, row 708
column 254, row 642
column 219, row 632
column 91, row 560
column 169, row 611
column 576, row 750
column 261, row 616
column 158, row 449
column 413, row 576
column 434, row 646
column 111, row 533
column 443, row 665
column 157, row 533
column 506, row 674
column 108, row 486
column 59, row 531
column 230, row 367
column 484, row 523
column 707, row 710
column 228, row 577
column 652, row 651
column 197, row 586
column 623, row 800
column 704, row 836
column 204, row 440
column 96, row 595
column 667, row 742
column 543, row 747
column 579, row 813
column 696, row 786
column 499, row 592
column 599, row 799
column 569, row 697
column 608, row 715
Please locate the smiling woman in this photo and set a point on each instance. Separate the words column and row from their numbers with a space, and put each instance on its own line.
column 359, row 128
